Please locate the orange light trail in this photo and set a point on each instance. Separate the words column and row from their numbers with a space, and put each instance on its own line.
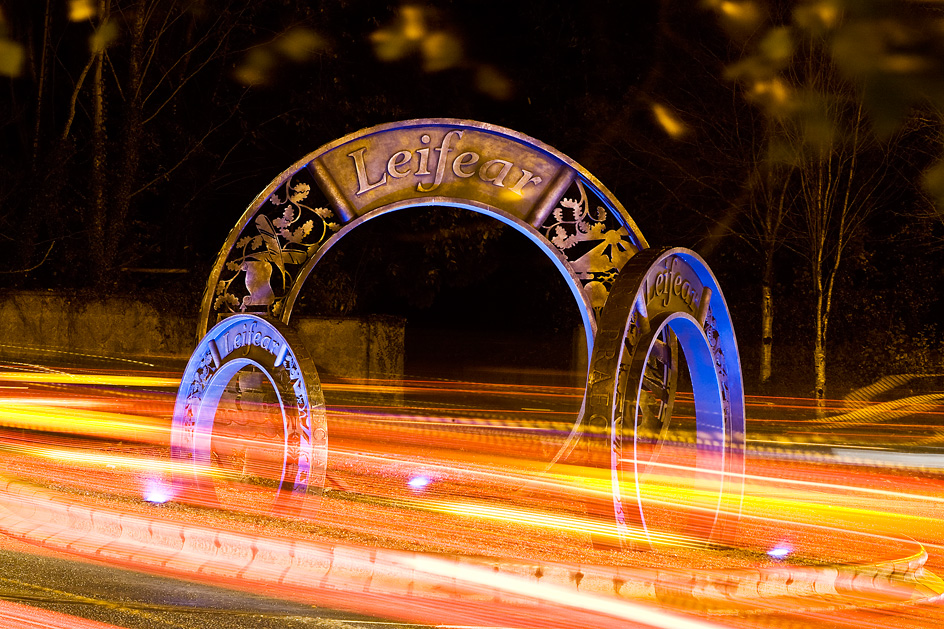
column 801, row 483
column 488, row 490
column 113, row 380
column 65, row 420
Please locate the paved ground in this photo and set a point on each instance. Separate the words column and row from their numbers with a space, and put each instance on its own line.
column 137, row 600
column 849, row 518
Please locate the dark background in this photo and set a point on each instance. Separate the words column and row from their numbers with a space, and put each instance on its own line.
column 581, row 77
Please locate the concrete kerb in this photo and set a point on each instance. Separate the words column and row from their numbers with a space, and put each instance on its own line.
column 46, row 518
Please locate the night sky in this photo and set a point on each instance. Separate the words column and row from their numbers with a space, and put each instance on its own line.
column 234, row 92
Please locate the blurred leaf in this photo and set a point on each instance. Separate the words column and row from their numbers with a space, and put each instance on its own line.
column 895, row 53
column 859, row 47
column 933, row 181
column 774, row 95
column 412, row 22
column 749, row 69
column 11, row 58
column 103, row 36
column 295, row 45
column 81, row 10
column 440, row 51
column 777, row 45
column 818, row 15
column 740, row 18
column 489, row 80
column 669, row 122
column 403, row 37
column 745, row 13
column 390, row 45
column 256, row 68
column 299, row 44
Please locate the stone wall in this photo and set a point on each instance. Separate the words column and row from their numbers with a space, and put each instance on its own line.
column 51, row 327
column 369, row 347
column 59, row 326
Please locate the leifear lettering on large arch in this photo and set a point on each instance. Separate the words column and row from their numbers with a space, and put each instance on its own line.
column 642, row 309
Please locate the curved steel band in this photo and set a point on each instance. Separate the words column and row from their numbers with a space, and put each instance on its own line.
column 660, row 291
column 485, row 168
column 238, row 342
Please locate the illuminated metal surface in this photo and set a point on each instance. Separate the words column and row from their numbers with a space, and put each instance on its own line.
column 659, row 291
column 236, row 345
column 570, row 216
column 520, row 181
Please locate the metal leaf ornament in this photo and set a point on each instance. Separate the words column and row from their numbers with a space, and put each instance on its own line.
column 258, row 275
column 274, row 252
column 573, row 226
column 287, row 236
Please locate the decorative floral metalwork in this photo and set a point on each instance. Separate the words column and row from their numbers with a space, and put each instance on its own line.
column 278, row 241
column 204, row 370
column 716, row 342
column 594, row 242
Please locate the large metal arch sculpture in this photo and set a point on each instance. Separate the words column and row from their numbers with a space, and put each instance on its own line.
column 528, row 185
column 542, row 193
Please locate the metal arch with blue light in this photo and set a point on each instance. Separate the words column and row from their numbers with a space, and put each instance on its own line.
column 249, row 341
column 661, row 299
column 540, row 192
column 543, row 194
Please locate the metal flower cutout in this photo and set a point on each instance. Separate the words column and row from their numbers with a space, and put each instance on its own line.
column 573, row 224
column 282, row 242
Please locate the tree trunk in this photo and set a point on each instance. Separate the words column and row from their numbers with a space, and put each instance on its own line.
column 99, row 223
column 41, row 86
column 767, row 323
column 98, row 207
column 39, row 201
column 819, row 345
column 130, row 138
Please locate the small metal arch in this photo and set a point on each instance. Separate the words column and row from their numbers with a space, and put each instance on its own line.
column 709, row 411
column 648, row 296
column 237, row 342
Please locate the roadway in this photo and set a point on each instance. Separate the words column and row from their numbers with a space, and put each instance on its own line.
column 842, row 522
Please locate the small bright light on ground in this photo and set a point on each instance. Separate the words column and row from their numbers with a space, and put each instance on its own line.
column 779, row 552
column 156, row 491
column 418, row 482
